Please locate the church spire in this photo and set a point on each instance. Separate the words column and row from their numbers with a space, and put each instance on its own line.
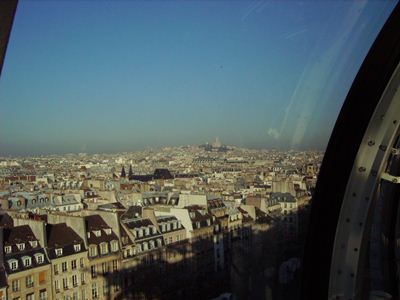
column 130, row 174
column 123, row 174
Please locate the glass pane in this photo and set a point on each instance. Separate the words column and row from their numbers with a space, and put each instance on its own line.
column 191, row 132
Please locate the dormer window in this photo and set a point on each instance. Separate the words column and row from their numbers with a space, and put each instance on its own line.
column 39, row 258
column 198, row 224
column 147, row 230
column 21, row 246
column 7, row 249
column 114, row 246
column 13, row 264
column 174, row 225
column 59, row 252
column 77, row 247
column 33, row 244
column 154, row 230
column 108, row 231
column 103, row 248
column 27, row 261
column 192, row 215
column 97, row 233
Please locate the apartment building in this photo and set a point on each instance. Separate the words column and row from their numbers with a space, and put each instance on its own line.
column 27, row 267
column 69, row 263
column 104, row 258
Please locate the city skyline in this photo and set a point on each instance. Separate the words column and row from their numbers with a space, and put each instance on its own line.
column 155, row 149
column 109, row 77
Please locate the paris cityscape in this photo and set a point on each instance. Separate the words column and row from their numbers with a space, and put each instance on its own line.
column 191, row 222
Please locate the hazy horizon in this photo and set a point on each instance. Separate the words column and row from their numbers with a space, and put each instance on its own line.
column 156, row 149
column 101, row 76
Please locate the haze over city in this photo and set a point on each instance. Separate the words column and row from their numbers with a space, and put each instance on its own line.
column 107, row 77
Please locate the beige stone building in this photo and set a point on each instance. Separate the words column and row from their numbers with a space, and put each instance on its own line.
column 69, row 263
column 104, row 259
column 26, row 265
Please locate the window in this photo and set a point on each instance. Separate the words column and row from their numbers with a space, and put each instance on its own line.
column 43, row 295
column 104, row 268
column 74, row 280
column 92, row 250
column 27, row 261
column 75, row 296
column 97, row 233
column 105, row 288
column 115, row 265
column 30, row 296
column 33, row 244
column 13, row 264
column 64, row 266
column 114, row 246
column 107, row 231
column 21, row 246
column 94, row 291
column 81, row 262
column 59, row 251
column 7, row 249
column 93, row 271
column 116, row 287
column 140, row 231
column 57, row 286
column 55, row 268
column 39, row 258
column 15, row 285
column 103, row 248
column 77, row 247
column 73, row 264
column 154, row 230
column 65, row 283
column 29, row 281
column 42, row 277
column 83, row 278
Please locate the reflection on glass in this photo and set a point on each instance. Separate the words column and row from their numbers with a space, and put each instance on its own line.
column 172, row 148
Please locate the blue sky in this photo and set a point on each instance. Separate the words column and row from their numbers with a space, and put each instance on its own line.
column 102, row 76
